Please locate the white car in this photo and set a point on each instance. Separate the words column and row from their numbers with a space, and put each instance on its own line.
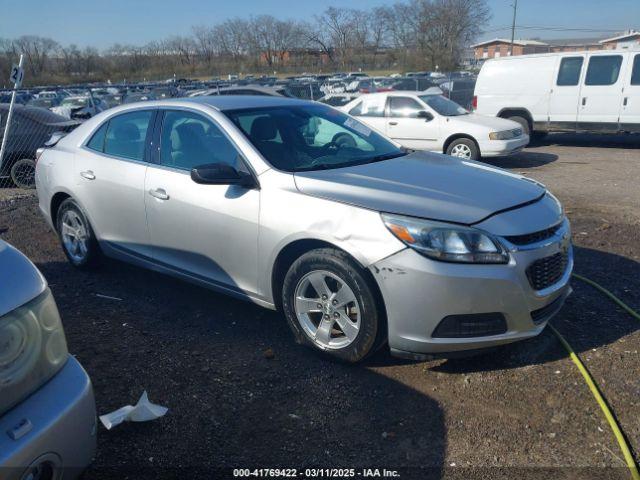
column 428, row 121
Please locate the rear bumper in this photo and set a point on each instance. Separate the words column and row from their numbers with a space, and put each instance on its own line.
column 62, row 418
column 420, row 293
column 496, row 148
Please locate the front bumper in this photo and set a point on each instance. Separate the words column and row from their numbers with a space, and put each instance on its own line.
column 496, row 148
column 419, row 293
column 56, row 424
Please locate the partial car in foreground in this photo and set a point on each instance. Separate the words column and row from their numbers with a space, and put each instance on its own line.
column 295, row 205
column 429, row 121
column 47, row 410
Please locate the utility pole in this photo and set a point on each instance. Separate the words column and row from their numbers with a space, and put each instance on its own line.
column 513, row 26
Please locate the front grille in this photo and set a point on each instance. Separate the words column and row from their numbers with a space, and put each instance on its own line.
column 534, row 237
column 546, row 312
column 547, row 271
column 471, row 325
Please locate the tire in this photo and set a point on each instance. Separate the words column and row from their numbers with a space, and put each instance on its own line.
column 464, row 148
column 84, row 253
column 23, row 173
column 357, row 307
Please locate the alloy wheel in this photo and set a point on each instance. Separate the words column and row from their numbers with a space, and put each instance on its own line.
column 74, row 235
column 327, row 309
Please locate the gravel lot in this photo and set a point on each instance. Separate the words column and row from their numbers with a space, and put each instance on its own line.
column 522, row 410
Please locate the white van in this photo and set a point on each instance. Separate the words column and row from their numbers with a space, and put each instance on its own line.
column 566, row 92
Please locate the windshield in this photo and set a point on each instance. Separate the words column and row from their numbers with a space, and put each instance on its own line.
column 443, row 106
column 74, row 102
column 311, row 137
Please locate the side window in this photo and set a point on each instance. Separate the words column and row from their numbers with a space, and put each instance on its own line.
column 635, row 73
column 569, row 72
column 126, row 135
column 189, row 140
column 603, row 70
column 404, row 107
column 97, row 141
column 370, row 106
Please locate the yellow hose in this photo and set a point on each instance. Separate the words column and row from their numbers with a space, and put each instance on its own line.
column 622, row 442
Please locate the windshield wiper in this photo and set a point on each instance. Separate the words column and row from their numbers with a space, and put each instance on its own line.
column 386, row 156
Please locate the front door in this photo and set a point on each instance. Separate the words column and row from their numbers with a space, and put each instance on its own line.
column 110, row 176
column 208, row 232
column 565, row 93
column 601, row 93
column 630, row 112
column 406, row 127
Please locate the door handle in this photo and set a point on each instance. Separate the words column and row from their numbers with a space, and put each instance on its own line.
column 584, row 101
column 88, row 174
column 624, row 102
column 393, row 123
column 159, row 193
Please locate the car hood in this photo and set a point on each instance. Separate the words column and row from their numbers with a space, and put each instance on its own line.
column 495, row 124
column 20, row 280
column 425, row 185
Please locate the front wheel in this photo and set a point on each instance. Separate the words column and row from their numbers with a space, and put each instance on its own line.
column 331, row 306
column 76, row 236
column 463, row 148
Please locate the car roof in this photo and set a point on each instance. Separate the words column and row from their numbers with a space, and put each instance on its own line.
column 234, row 102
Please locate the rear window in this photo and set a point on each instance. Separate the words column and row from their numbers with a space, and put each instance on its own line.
column 126, row 135
column 635, row 73
column 603, row 70
column 97, row 141
column 569, row 72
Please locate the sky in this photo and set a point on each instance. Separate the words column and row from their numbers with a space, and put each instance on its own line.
column 101, row 23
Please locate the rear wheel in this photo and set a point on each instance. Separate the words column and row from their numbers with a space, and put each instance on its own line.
column 76, row 235
column 23, row 173
column 463, row 148
column 331, row 307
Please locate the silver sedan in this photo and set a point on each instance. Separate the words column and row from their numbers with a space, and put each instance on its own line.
column 297, row 206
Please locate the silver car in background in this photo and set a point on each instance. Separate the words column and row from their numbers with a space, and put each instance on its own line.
column 47, row 409
column 295, row 205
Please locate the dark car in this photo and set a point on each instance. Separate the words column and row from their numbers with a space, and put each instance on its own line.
column 30, row 128
column 413, row 84
column 21, row 97
column 460, row 91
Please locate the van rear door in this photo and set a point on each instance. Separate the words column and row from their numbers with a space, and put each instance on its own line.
column 630, row 112
column 601, row 92
column 565, row 92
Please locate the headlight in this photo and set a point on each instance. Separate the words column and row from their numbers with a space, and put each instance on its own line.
column 32, row 348
column 505, row 134
column 446, row 242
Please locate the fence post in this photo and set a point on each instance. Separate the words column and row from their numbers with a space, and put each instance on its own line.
column 9, row 114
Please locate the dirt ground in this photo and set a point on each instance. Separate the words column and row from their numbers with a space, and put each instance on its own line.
column 520, row 411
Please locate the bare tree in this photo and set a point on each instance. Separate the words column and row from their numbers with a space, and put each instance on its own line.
column 36, row 51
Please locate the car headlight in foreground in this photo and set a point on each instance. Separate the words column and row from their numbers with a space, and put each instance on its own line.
column 32, row 348
column 446, row 242
column 506, row 134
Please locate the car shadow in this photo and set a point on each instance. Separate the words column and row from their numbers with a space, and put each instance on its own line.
column 240, row 391
column 630, row 141
column 522, row 159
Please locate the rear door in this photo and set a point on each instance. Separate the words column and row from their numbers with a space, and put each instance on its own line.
column 601, row 92
column 406, row 127
column 564, row 96
column 110, row 174
column 370, row 110
column 630, row 112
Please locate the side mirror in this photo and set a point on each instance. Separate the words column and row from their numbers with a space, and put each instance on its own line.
column 428, row 116
column 221, row 174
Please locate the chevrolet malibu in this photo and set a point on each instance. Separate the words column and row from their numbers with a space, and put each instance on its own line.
column 47, row 410
column 295, row 205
